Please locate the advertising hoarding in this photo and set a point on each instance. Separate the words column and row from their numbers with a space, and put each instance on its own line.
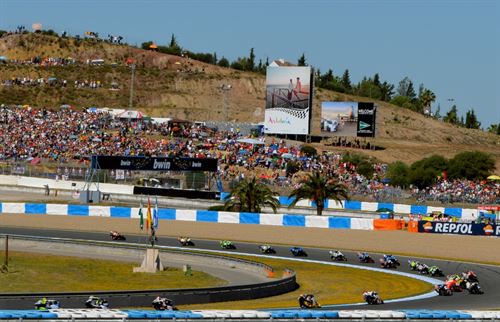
column 366, row 119
column 339, row 118
column 459, row 228
column 153, row 163
column 288, row 100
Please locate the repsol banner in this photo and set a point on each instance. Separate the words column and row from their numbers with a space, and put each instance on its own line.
column 153, row 164
column 366, row 120
column 436, row 227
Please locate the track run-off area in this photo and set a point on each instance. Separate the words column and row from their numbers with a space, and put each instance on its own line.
column 316, row 242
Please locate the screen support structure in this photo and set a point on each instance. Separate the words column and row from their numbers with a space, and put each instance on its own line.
column 91, row 179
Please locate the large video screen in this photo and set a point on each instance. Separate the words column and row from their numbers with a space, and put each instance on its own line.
column 288, row 100
column 339, row 118
column 348, row 119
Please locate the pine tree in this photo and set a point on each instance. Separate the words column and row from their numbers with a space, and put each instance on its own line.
column 302, row 60
column 214, row 60
column 376, row 80
column 471, row 121
column 346, row 81
column 251, row 61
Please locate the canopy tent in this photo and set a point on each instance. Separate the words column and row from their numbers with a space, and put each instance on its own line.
column 250, row 141
column 493, row 177
column 130, row 115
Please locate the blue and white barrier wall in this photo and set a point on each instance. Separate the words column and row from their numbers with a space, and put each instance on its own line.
column 463, row 213
column 251, row 314
column 191, row 215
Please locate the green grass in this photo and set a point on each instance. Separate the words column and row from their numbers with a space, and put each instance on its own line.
column 330, row 284
column 30, row 272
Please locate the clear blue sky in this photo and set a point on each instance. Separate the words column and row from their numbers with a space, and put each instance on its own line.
column 452, row 46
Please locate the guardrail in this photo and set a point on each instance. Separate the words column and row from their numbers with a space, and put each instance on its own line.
column 144, row 297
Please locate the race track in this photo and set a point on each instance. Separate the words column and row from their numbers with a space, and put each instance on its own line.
column 489, row 275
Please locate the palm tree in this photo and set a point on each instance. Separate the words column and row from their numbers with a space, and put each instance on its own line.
column 427, row 98
column 319, row 188
column 250, row 196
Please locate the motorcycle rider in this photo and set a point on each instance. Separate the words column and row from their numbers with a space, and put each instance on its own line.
column 41, row 304
column 433, row 270
column 422, row 268
column 363, row 256
column 337, row 254
column 413, row 264
column 163, row 303
column 371, row 297
column 307, row 301
column 96, row 302
column 470, row 276
column 442, row 289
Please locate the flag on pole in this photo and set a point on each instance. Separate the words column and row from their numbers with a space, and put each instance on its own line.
column 148, row 215
column 141, row 217
column 155, row 215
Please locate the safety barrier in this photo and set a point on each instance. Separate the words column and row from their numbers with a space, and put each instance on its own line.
column 353, row 205
column 464, row 213
column 142, row 298
column 205, row 216
column 251, row 314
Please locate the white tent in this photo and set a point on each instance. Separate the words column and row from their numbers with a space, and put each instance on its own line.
column 250, row 141
column 130, row 115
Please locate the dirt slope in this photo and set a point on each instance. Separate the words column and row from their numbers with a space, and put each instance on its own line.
column 167, row 85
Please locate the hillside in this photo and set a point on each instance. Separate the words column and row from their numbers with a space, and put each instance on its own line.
column 173, row 86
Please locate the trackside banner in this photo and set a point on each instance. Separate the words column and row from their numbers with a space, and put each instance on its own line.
column 153, row 164
column 436, row 227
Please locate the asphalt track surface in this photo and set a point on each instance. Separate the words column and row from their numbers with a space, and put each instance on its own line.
column 489, row 275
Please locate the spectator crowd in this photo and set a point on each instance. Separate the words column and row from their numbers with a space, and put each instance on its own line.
column 69, row 135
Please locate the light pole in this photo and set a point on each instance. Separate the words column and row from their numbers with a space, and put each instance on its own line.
column 225, row 88
column 131, row 87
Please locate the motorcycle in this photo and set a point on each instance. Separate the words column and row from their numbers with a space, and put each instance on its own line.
column 387, row 263
column 267, row 249
column 226, row 244
column 308, row 301
column 442, row 290
column 372, row 298
column 435, row 271
column 116, row 235
column 474, row 288
column 163, row 304
column 365, row 258
column 298, row 251
column 185, row 241
column 336, row 255
column 44, row 304
column 391, row 258
column 423, row 268
column 95, row 302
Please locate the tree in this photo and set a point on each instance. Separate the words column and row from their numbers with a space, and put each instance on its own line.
column 437, row 114
column 346, row 81
column 173, row 42
column 214, row 61
column 471, row 165
column 376, row 80
column 223, row 62
column 251, row 195
column 386, row 91
column 302, row 60
column 145, row 45
column 250, row 66
column 308, row 150
column 494, row 128
column 471, row 121
column 319, row 188
column 452, row 115
column 398, row 172
column 405, row 88
column 426, row 98
column 425, row 172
